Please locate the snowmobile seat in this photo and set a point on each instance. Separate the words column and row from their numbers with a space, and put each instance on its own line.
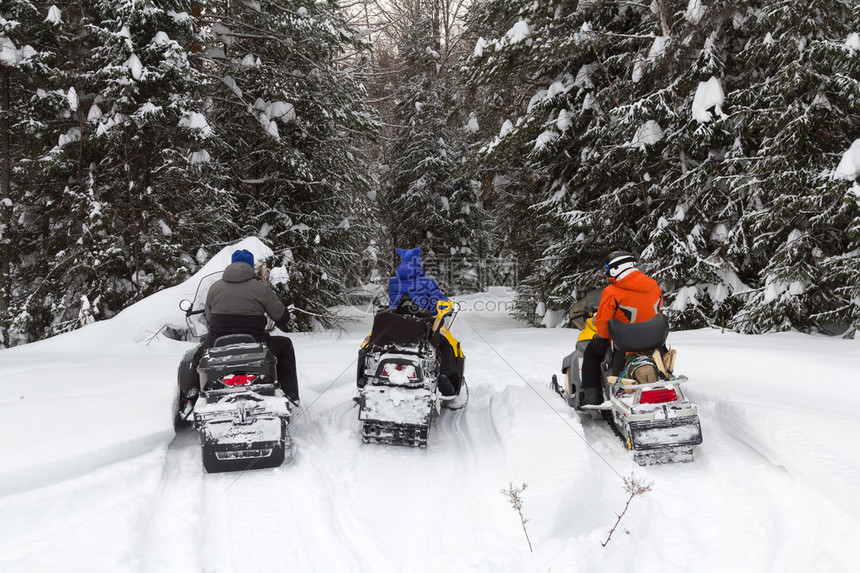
column 229, row 339
column 235, row 349
column 409, row 307
column 639, row 336
column 392, row 328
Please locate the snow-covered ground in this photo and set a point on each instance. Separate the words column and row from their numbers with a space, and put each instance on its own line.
column 93, row 478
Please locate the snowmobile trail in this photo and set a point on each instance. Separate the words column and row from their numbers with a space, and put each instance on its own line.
column 343, row 505
column 267, row 519
column 730, row 503
column 394, row 501
column 173, row 532
column 692, row 498
column 277, row 509
column 390, row 502
column 770, row 489
column 400, row 502
column 541, row 442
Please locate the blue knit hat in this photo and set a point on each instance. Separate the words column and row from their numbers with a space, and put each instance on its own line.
column 243, row 256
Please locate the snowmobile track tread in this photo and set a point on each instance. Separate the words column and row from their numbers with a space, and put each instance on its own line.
column 394, row 434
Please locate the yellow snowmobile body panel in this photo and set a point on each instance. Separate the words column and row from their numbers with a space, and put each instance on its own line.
column 588, row 332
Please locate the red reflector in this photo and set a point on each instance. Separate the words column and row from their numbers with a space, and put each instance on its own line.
column 403, row 369
column 658, row 396
column 238, row 379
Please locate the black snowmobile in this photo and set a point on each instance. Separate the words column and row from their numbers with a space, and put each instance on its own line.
column 399, row 377
column 642, row 398
column 240, row 412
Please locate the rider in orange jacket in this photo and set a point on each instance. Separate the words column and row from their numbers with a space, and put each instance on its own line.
column 630, row 297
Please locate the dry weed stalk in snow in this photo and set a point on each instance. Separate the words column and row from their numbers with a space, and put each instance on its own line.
column 513, row 495
column 634, row 486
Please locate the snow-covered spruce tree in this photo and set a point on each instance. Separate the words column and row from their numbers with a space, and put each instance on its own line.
column 291, row 117
column 798, row 111
column 118, row 198
column 39, row 119
column 592, row 146
column 499, row 75
column 708, row 253
column 21, row 25
column 427, row 199
column 693, row 240
column 574, row 59
column 649, row 131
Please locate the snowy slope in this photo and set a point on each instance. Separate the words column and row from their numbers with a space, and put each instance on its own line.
column 93, row 478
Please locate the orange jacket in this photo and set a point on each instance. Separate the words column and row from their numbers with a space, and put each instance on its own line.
column 633, row 298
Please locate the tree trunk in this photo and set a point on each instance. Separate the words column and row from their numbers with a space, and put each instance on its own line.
column 5, row 146
column 5, row 193
column 664, row 20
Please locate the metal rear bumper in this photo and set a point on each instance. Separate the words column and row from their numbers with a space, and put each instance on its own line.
column 667, row 433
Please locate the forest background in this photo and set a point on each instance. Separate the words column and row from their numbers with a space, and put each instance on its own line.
column 517, row 142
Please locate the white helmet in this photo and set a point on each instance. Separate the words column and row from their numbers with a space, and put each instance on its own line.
column 618, row 263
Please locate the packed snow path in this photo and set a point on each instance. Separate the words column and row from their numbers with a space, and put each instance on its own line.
column 96, row 480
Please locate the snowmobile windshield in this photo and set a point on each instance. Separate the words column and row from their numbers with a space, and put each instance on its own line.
column 195, row 318
column 583, row 307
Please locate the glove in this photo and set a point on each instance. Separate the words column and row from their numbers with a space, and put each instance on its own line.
column 285, row 318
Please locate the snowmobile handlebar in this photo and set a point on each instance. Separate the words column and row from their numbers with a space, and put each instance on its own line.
column 583, row 313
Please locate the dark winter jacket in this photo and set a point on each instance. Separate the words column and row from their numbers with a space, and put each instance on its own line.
column 410, row 280
column 239, row 303
column 632, row 298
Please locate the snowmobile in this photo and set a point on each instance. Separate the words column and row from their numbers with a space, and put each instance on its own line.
column 642, row 399
column 240, row 411
column 399, row 376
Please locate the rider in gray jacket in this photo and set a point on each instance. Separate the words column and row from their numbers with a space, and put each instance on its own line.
column 239, row 304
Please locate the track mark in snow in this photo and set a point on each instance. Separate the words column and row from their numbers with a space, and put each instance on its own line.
column 264, row 521
column 282, row 519
column 470, row 438
column 171, row 541
column 570, row 482
column 739, row 511
column 833, row 475
column 398, row 494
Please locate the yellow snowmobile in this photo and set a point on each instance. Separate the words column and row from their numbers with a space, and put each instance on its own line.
column 409, row 366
